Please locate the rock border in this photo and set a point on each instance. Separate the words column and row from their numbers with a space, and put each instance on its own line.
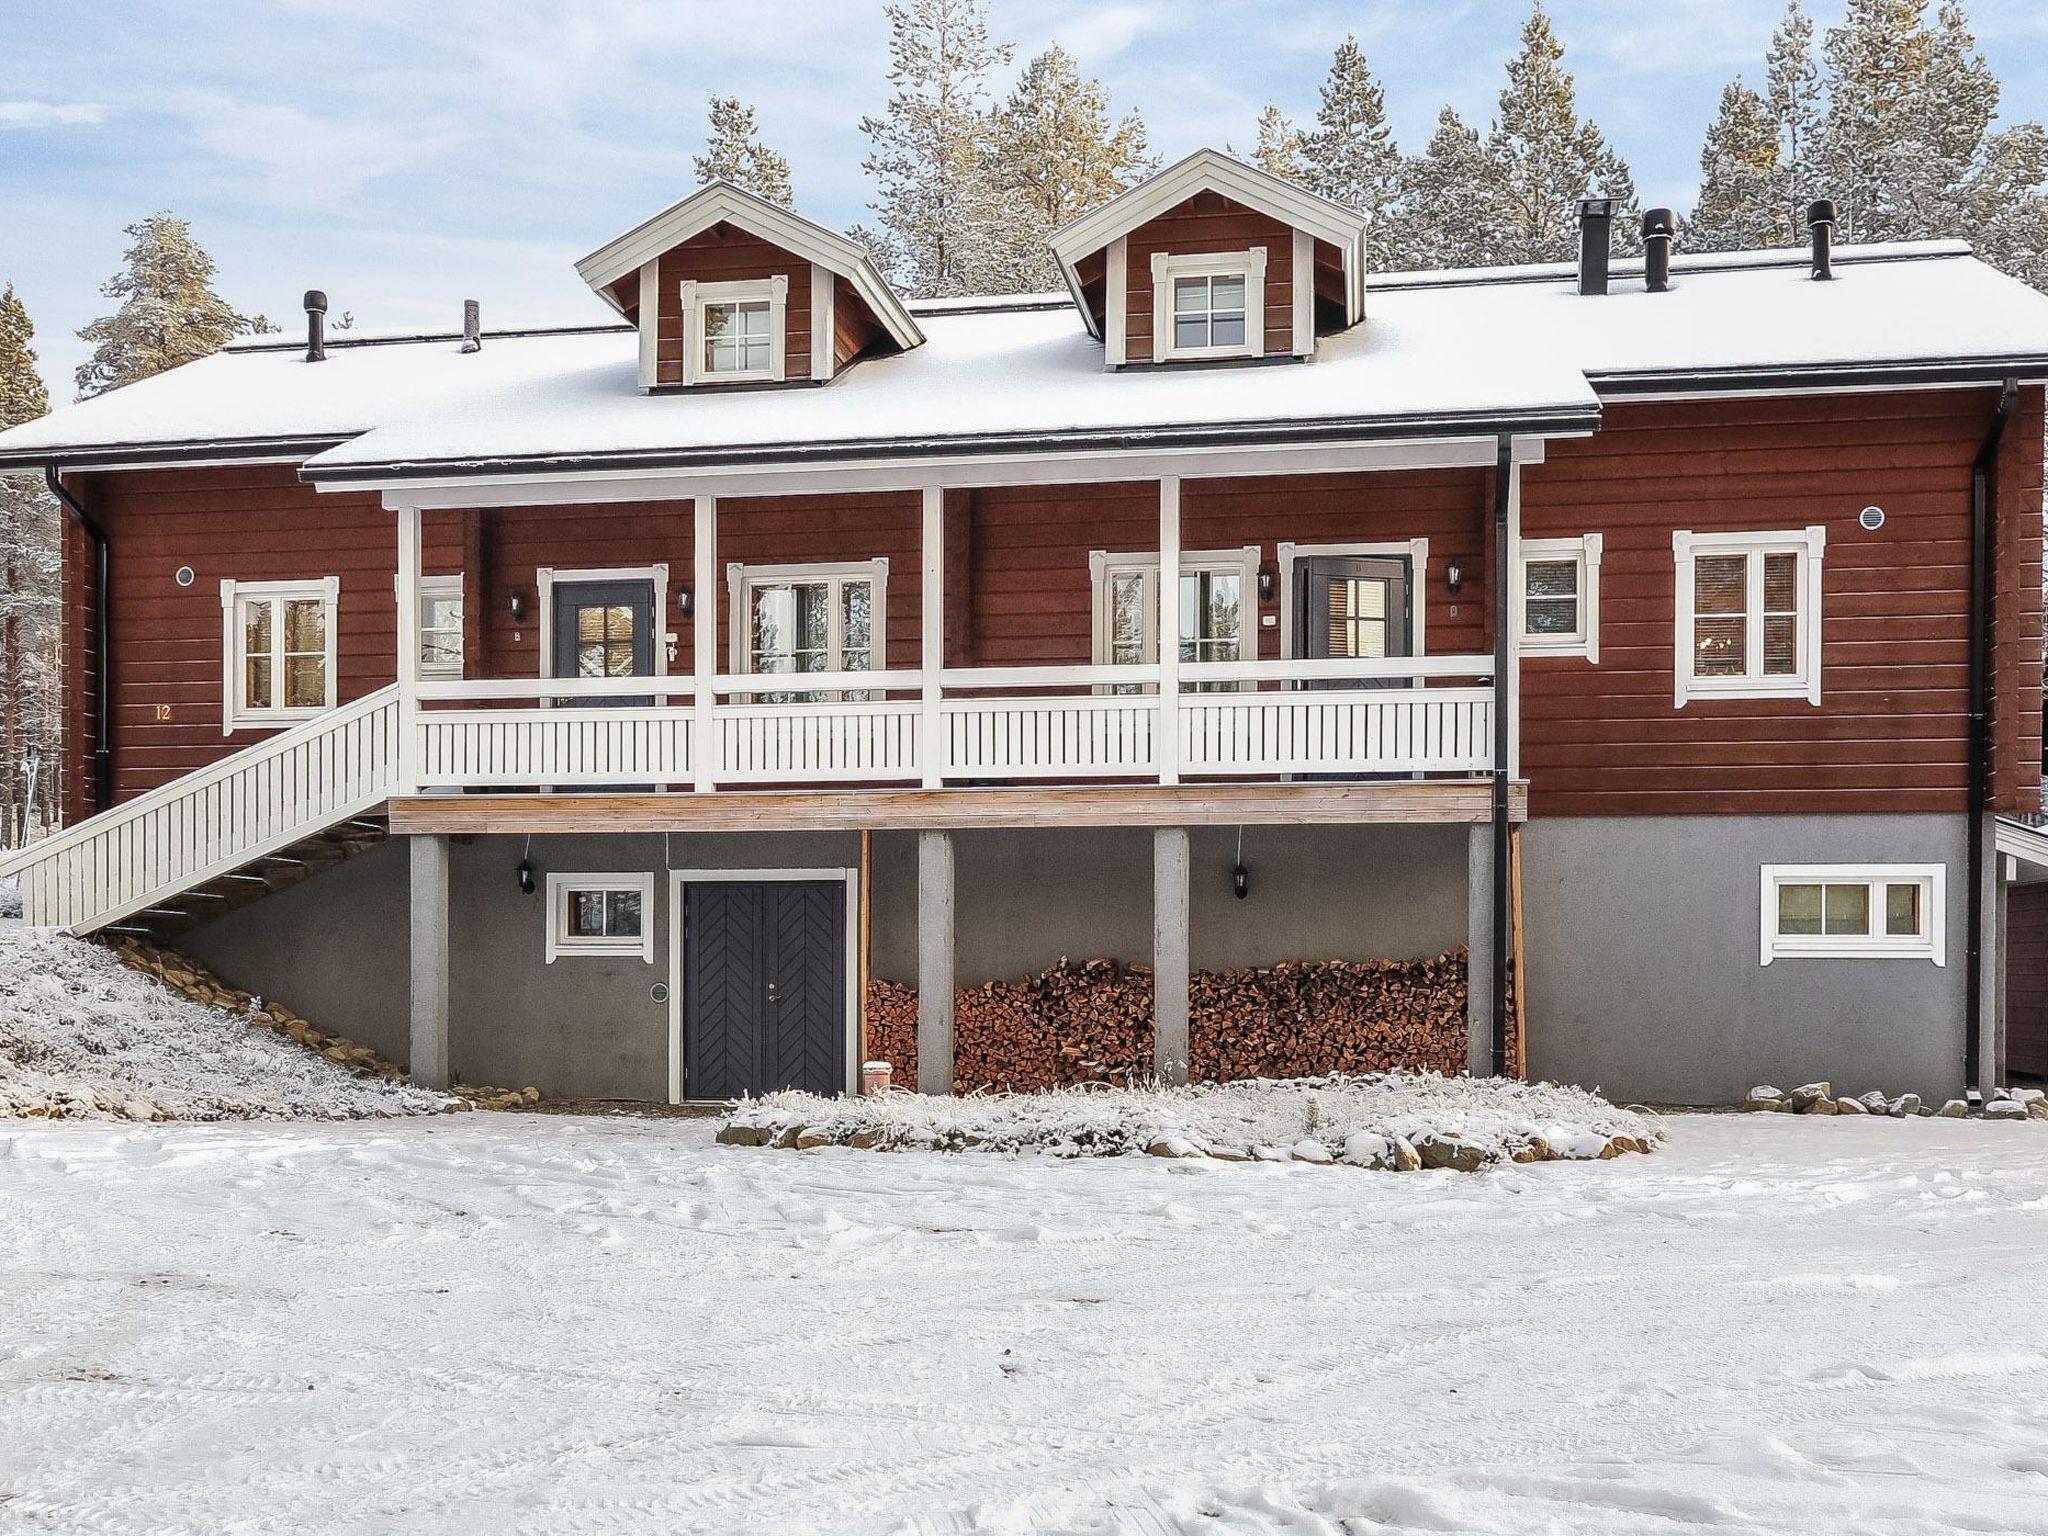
column 1819, row 1098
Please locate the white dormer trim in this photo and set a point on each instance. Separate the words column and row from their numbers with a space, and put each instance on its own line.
column 650, row 322
column 824, row 323
column 721, row 202
column 1248, row 264
column 1209, row 170
column 697, row 297
column 1116, row 318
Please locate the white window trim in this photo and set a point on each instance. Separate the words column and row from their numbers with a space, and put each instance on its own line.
column 774, row 290
column 1585, row 553
column 1810, row 545
column 546, row 577
column 561, row 942
column 741, row 579
column 236, row 715
column 1103, row 564
column 438, row 586
column 1250, row 265
column 1930, row 945
column 1417, row 553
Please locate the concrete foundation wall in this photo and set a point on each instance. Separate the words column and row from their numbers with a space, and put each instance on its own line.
column 1641, row 939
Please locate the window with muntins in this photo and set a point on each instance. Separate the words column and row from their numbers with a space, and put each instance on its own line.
column 1748, row 615
column 1209, row 305
column 1560, row 595
column 1848, row 910
column 1216, row 612
column 441, row 626
column 810, row 618
column 735, row 333
column 1208, row 312
column 736, row 338
column 277, row 651
column 609, row 914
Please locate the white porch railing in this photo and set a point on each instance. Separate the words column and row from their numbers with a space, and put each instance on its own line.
column 1244, row 719
column 182, row 834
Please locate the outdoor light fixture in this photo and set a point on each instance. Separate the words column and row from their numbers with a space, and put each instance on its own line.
column 526, row 877
column 683, row 601
column 518, row 605
column 1266, row 582
column 1240, row 882
column 1454, row 577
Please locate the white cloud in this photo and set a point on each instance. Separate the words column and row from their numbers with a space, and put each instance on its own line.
column 51, row 114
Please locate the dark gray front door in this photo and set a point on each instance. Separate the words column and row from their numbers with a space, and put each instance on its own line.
column 764, row 987
column 1353, row 606
column 603, row 629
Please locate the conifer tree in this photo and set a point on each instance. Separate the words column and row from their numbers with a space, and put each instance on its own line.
column 1445, row 217
column 30, row 593
column 1278, row 146
column 1792, row 92
column 1742, row 194
column 736, row 154
column 929, row 151
column 169, row 313
column 1350, row 156
column 1545, row 158
column 1055, row 155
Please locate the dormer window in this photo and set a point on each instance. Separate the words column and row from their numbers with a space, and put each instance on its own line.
column 1209, row 306
column 733, row 332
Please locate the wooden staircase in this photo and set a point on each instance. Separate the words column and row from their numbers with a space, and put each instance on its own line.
column 164, row 922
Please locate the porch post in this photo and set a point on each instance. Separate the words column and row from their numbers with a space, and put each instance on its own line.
column 934, row 962
column 1167, row 746
column 1170, row 955
column 704, row 642
column 931, row 654
column 428, row 981
column 1505, row 482
column 1479, row 988
column 407, row 595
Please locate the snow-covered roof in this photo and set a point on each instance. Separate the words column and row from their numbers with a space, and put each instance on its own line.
column 1439, row 354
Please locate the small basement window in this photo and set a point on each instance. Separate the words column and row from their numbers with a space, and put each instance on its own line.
column 1748, row 615
column 1211, row 305
column 733, row 333
column 1853, row 910
column 277, row 651
column 1561, row 597
column 601, row 915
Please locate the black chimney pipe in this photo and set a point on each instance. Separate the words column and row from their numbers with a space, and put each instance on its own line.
column 1820, row 219
column 472, row 326
column 1660, row 229
column 1596, row 221
column 316, row 326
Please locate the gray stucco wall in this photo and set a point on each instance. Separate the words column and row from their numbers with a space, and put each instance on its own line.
column 1641, row 939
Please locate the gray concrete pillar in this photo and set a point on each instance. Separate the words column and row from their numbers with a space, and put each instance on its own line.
column 1170, row 954
column 429, row 968
column 1987, row 1071
column 934, row 962
column 1479, row 987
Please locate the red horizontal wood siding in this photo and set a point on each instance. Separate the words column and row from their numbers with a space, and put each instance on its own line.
column 725, row 253
column 1209, row 222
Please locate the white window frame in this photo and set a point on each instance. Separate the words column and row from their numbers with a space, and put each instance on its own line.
column 1103, row 565
column 1810, row 545
column 1250, row 265
column 442, row 587
column 1584, row 552
column 236, row 714
column 1930, row 944
column 561, row 942
column 697, row 297
column 741, row 579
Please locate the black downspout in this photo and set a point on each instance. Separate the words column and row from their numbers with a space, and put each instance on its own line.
column 1983, row 507
column 103, row 723
column 1502, row 619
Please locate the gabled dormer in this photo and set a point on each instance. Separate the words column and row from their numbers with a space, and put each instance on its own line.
column 745, row 293
column 1214, row 260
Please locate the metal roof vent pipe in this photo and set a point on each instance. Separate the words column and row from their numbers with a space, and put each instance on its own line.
column 1596, row 224
column 1820, row 219
column 472, row 326
column 1660, row 231
column 316, row 326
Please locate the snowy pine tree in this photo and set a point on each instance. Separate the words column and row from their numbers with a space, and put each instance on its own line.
column 1350, row 155
column 929, row 152
column 30, row 603
column 1445, row 217
column 1792, row 92
column 169, row 313
column 736, row 154
column 1545, row 158
column 1055, row 155
column 1278, row 145
column 1742, row 196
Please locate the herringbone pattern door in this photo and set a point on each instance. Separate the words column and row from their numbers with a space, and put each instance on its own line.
column 806, row 1019
column 764, row 987
column 724, row 989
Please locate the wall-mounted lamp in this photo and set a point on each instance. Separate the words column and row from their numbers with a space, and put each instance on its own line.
column 1267, row 580
column 683, row 601
column 1454, row 577
column 1240, row 882
column 526, row 877
column 518, row 605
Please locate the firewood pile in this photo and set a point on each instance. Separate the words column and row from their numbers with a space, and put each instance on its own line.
column 1091, row 1022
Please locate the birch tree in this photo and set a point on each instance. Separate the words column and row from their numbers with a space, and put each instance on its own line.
column 736, row 154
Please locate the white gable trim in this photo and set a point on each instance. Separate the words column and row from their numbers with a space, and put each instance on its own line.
column 722, row 202
column 1209, row 170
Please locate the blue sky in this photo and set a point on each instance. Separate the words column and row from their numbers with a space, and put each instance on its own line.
column 403, row 154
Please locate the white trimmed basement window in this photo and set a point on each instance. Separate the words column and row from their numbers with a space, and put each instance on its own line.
column 1211, row 305
column 1748, row 615
column 601, row 915
column 733, row 333
column 1853, row 910
column 1561, row 597
column 277, row 651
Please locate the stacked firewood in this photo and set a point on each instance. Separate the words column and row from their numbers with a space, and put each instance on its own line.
column 1091, row 1022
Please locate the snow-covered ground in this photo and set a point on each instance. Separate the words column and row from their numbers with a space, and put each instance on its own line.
column 523, row 1323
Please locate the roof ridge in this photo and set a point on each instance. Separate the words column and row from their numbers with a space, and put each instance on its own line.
column 274, row 342
column 1763, row 260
